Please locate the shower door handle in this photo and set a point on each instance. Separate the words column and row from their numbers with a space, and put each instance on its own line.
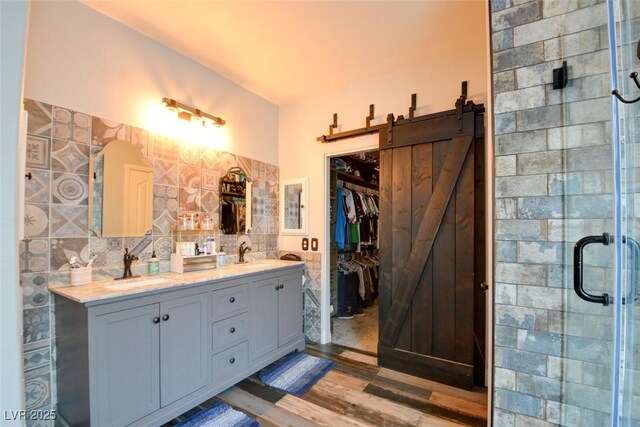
column 578, row 284
column 634, row 250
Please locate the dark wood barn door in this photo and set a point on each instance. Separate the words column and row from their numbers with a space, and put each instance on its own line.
column 432, row 246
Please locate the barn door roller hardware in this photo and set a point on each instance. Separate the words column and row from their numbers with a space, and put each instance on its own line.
column 367, row 129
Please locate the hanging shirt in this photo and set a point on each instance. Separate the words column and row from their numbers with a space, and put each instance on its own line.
column 341, row 220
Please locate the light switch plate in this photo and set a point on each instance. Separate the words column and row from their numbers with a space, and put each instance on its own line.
column 314, row 244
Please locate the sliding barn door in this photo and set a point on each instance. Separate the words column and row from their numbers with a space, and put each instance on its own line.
column 432, row 246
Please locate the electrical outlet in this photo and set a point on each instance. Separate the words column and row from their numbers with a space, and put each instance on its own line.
column 305, row 244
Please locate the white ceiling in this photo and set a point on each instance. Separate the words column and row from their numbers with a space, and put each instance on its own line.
column 286, row 50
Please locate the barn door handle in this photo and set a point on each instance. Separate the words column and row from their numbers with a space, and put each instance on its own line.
column 578, row 284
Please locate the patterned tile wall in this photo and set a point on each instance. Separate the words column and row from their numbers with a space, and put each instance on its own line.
column 312, row 273
column 59, row 144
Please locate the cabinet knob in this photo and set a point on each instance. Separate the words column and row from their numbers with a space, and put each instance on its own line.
column 281, row 286
column 232, row 330
column 232, row 300
column 156, row 319
column 165, row 317
column 232, row 360
column 277, row 287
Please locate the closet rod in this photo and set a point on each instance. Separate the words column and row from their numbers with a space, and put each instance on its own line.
column 352, row 133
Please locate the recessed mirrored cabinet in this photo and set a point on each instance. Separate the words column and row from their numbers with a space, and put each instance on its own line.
column 235, row 202
column 293, row 206
column 120, row 192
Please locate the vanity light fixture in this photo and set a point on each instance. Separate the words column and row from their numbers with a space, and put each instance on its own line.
column 191, row 114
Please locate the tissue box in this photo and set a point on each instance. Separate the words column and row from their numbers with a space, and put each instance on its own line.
column 81, row 276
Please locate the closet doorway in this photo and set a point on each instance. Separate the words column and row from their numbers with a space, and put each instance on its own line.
column 353, row 267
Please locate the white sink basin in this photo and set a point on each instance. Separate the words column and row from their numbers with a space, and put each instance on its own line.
column 134, row 283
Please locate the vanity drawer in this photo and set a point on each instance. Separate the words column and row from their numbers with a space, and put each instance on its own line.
column 229, row 331
column 227, row 302
column 230, row 363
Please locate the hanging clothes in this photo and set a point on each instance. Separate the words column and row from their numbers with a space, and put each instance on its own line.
column 341, row 220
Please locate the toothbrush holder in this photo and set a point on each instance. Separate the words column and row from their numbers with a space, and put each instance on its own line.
column 81, row 276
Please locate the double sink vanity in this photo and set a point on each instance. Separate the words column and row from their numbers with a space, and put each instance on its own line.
column 142, row 351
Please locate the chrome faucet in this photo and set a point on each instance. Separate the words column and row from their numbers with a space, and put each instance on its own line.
column 128, row 259
column 242, row 250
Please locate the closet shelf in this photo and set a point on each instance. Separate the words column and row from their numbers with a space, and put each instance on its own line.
column 345, row 176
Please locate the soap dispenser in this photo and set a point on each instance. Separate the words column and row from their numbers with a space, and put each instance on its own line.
column 154, row 264
column 222, row 257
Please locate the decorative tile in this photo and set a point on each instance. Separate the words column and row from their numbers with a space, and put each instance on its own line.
column 209, row 202
column 164, row 221
column 272, row 173
column 34, row 255
column 67, row 156
column 210, row 180
column 258, row 224
column 37, row 188
column 140, row 138
column 71, row 125
column 35, row 324
column 258, row 170
column 38, row 152
column 109, row 251
column 40, row 120
column 104, row 131
column 37, row 388
column 271, row 190
column 165, row 172
column 189, row 200
column 68, row 221
column 69, row 189
column 139, row 246
column 244, row 163
column 190, row 153
column 165, row 148
column 189, row 176
column 227, row 161
column 163, row 247
column 34, row 290
column 165, row 198
column 210, row 159
column 38, row 356
column 64, row 248
column 36, row 221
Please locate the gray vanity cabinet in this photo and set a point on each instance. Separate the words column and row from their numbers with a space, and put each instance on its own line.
column 127, row 365
column 276, row 305
column 143, row 359
column 148, row 357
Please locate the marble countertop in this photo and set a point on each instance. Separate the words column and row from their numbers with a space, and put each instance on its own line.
column 110, row 288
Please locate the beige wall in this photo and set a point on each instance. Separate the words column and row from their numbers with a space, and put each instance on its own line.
column 80, row 59
column 437, row 83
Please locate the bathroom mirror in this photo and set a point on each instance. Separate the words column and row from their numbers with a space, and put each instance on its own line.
column 293, row 206
column 120, row 192
column 235, row 202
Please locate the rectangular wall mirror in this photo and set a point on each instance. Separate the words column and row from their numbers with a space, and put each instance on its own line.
column 120, row 192
column 293, row 206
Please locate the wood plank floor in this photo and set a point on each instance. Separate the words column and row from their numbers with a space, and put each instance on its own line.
column 356, row 393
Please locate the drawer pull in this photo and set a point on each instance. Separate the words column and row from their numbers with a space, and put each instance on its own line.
column 232, row 330
column 156, row 319
column 281, row 286
column 165, row 317
column 232, row 360
column 277, row 287
column 232, row 300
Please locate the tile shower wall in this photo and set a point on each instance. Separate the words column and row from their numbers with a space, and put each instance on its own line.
column 59, row 144
column 547, row 351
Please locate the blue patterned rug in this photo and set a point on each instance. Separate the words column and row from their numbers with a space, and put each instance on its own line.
column 297, row 373
column 219, row 415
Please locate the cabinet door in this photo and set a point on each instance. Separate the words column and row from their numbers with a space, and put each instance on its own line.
column 289, row 308
column 127, row 365
column 183, row 346
column 264, row 317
